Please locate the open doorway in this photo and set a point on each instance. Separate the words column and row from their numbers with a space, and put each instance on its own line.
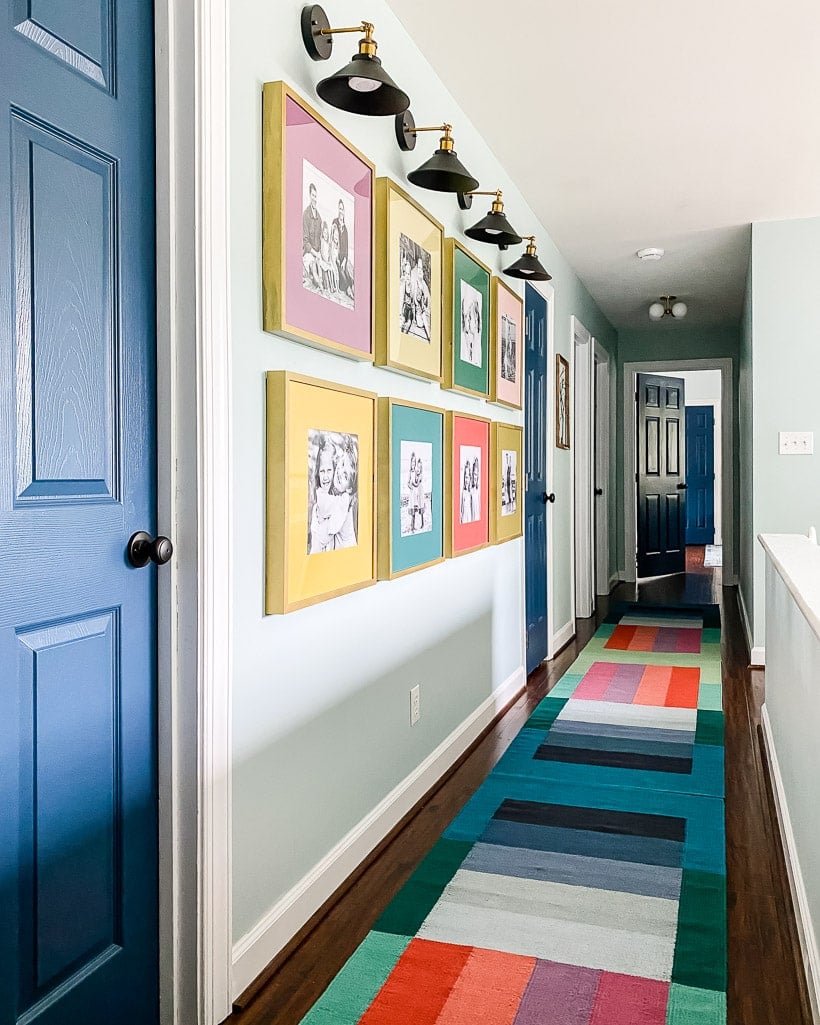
column 707, row 531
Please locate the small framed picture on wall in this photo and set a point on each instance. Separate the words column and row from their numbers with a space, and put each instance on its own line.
column 466, row 321
column 320, row 537
column 561, row 402
column 411, row 487
column 317, row 228
column 468, row 483
column 506, row 519
column 506, row 346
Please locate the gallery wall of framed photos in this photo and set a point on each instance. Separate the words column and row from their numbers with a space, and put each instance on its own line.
column 321, row 692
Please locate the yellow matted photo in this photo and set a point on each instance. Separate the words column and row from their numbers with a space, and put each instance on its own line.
column 409, row 244
column 506, row 513
column 317, row 228
column 320, row 534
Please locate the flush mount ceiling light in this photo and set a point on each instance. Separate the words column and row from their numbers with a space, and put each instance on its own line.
column 651, row 254
column 528, row 266
column 443, row 172
column 494, row 228
column 362, row 86
column 667, row 307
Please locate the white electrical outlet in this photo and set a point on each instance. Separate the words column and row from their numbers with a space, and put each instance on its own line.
column 796, row 443
column 415, row 705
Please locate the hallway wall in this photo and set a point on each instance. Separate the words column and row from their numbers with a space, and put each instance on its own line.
column 675, row 341
column 321, row 696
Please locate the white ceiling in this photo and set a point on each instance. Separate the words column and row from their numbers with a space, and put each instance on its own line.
column 641, row 123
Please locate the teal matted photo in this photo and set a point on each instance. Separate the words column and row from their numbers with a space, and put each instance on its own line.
column 467, row 320
column 411, row 487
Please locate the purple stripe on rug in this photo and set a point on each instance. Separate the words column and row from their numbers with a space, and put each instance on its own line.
column 667, row 638
column 558, row 994
column 624, row 684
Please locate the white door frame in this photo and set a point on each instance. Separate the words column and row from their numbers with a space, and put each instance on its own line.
column 194, row 498
column 727, row 413
column 603, row 505
column 582, row 443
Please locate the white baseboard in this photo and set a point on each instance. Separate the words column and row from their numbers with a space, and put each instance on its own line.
column 257, row 948
column 805, row 929
column 757, row 655
column 562, row 636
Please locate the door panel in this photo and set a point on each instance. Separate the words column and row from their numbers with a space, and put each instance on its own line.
column 535, row 509
column 78, row 789
column 661, row 481
column 700, row 475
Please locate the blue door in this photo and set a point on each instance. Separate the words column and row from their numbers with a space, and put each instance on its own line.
column 535, row 499
column 78, row 790
column 700, row 475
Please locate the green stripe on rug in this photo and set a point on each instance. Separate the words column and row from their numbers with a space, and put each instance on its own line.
column 414, row 901
column 689, row 1006
column 709, row 728
column 700, row 951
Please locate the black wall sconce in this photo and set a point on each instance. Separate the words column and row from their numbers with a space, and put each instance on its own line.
column 443, row 172
column 494, row 228
column 362, row 86
column 528, row 266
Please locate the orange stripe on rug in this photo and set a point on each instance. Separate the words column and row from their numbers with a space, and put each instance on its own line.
column 644, row 639
column 488, row 990
column 683, row 688
column 621, row 638
column 419, row 986
column 653, row 686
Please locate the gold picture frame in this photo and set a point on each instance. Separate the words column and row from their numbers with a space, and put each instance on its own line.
column 506, row 346
column 468, row 373
column 506, row 505
column 314, row 180
column 407, row 432
column 409, row 269
column 562, row 439
column 321, row 495
column 466, row 533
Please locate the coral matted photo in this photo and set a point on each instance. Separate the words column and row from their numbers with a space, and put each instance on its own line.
column 468, row 483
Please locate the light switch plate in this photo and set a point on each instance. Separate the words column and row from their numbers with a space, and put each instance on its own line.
column 796, row 443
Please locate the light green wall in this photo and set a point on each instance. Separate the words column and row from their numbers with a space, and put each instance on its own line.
column 745, row 457
column 321, row 696
column 673, row 342
column 785, row 332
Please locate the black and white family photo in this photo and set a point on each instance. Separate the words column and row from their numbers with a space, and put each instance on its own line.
column 333, row 491
column 508, row 353
column 415, row 269
column 469, row 459
column 509, row 481
column 416, row 487
column 471, row 321
column 327, row 237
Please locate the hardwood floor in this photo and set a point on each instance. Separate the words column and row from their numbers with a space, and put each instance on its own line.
column 766, row 984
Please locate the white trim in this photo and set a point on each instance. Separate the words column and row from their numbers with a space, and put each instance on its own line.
column 757, row 655
column 581, row 442
column 727, row 411
column 563, row 636
column 215, row 501
column 800, row 899
column 257, row 948
column 603, row 506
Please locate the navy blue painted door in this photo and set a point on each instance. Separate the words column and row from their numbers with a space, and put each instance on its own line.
column 535, row 441
column 78, row 792
column 700, row 475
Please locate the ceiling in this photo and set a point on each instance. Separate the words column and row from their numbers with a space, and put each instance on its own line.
column 642, row 123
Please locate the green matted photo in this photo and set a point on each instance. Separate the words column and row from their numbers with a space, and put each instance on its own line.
column 467, row 318
column 411, row 487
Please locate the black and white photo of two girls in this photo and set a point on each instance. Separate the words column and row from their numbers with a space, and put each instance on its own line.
column 333, row 491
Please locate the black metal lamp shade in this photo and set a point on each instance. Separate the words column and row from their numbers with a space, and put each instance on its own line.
column 528, row 266
column 443, row 172
column 495, row 229
column 363, row 87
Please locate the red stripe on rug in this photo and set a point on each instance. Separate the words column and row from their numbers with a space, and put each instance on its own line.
column 621, row 638
column 683, row 688
column 489, row 989
column 629, row 1000
column 418, row 987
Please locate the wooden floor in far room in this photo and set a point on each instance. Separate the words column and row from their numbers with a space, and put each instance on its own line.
column 766, row 983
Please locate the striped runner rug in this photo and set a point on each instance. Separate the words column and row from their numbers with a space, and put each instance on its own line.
column 584, row 882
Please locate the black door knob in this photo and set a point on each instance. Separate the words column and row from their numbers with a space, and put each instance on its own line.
column 682, row 487
column 549, row 497
column 599, row 491
column 142, row 549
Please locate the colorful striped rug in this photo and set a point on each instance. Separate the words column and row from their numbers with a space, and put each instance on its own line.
column 584, row 882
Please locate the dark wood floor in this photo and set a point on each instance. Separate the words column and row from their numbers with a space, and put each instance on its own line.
column 766, row 986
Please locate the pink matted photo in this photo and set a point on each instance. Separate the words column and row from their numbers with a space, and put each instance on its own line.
column 508, row 354
column 470, row 483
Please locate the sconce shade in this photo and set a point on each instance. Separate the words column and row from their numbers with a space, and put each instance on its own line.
column 528, row 267
column 443, row 172
column 495, row 229
column 363, row 87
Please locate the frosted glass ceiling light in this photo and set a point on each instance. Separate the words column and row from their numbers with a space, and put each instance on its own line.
column 668, row 307
column 362, row 86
